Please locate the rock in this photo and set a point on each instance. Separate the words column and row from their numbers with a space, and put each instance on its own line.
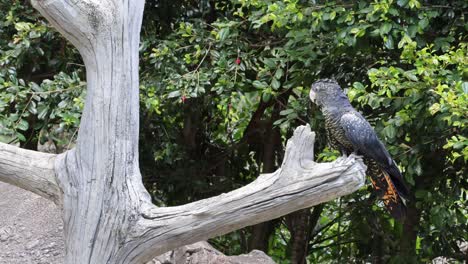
column 204, row 253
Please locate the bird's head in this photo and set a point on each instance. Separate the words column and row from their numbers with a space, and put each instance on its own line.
column 325, row 92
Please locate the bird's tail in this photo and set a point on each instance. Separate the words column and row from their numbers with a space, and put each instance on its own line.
column 390, row 188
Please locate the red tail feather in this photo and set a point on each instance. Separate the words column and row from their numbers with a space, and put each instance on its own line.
column 388, row 193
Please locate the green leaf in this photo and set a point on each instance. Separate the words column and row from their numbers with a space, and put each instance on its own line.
column 279, row 121
column 418, row 243
column 259, row 85
column 404, row 40
column 32, row 108
column 389, row 42
column 411, row 76
column 374, row 101
column 420, row 194
column 34, row 34
column 354, row 30
column 62, row 104
column 275, row 84
column 20, row 137
column 409, row 179
column 270, row 63
column 279, row 73
column 286, row 112
column 174, row 94
column 42, row 112
column 389, row 132
column 418, row 169
column 458, row 145
column 423, row 23
column 223, row 34
column 465, row 87
column 22, row 125
column 358, row 86
column 385, row 28
column 35, row 87
column 215, row 54
column 412, row 30
column 266, row 97
column 22, row 26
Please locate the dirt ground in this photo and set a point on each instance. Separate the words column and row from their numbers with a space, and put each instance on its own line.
column 30, row 228
column 31, row 233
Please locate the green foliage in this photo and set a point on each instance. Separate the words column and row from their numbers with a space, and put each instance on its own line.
column 224, row 84
column 425, row 116
column 34, row 109
column 32, row 112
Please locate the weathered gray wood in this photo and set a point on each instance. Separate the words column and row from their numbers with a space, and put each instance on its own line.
column 30, row 170
column 108, row 215
column 100, row 178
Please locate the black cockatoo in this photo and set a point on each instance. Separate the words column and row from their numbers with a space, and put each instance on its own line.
column 349, row 132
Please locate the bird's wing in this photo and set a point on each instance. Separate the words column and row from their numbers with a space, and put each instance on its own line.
column 363, row 138
column 359, row 132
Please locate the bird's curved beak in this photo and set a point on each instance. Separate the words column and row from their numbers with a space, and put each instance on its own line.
column 312, row 95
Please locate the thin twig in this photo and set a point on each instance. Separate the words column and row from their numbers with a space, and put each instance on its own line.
column 203, row 59
column 22, row 113
column 76, row 64
column 56, row 91
column 334, row 245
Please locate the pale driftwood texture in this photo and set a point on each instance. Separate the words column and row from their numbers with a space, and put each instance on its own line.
column 30, row 170
column 108, row 215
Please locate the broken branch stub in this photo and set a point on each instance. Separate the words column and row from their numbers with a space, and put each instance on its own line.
column 299, row 183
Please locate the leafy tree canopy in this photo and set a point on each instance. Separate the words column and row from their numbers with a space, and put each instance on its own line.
column 223, row 85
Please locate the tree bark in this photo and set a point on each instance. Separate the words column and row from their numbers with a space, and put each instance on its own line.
column 260, row 235
column 107, row 213
column 298, row 224
column 262, row 232
column 30, row 170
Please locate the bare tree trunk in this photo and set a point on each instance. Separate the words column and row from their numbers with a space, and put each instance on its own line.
column 260, row 235
column 107, row 213
column 272, row 148
column 298, row 224
column 262, row 232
